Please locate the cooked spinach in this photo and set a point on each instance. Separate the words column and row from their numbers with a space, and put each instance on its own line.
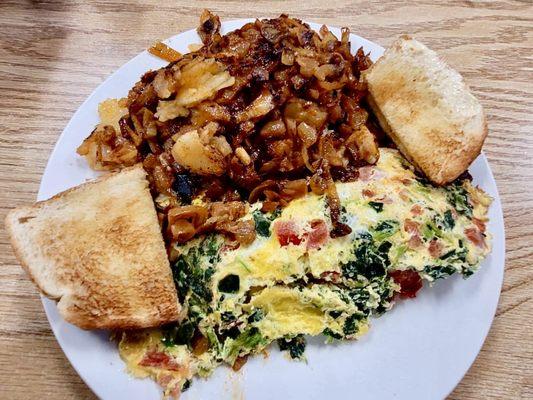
column 295, row 346
column 448, row 221
column 186, row 385
column 263, row 221
column 330, row 334
column 192, row 273
column 444, row 221
column 458, row 255
column 227, row 316
column 229, row 284
column 457, row 196
column 439, row 272
column 376, row 205
column 369, row 260
column 350, row 325
column 178, row 334
column 361, row 296
column 193, row 270
column 256, row 316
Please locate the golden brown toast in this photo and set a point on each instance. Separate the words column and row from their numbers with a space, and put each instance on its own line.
column 98, row 250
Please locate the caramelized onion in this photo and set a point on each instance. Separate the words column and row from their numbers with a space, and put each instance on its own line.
column 259, row 189
column 294, row 189
column 182, row 230
column 259, row 113
column 161, row 50
column 197, row 215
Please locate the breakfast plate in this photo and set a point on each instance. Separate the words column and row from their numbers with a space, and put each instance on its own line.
column 419, row 350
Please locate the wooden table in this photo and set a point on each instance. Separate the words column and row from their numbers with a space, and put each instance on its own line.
column 54, row 53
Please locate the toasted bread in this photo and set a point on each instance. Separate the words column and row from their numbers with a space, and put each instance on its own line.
column 427, row 110
column 98, row 250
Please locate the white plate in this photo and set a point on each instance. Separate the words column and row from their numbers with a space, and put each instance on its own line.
column 419, row 350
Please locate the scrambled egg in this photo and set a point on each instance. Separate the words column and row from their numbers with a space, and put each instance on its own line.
column 296, row 280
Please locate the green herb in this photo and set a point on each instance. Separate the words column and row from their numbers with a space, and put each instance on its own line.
column 295, row 346
column 246, row 341
column 335, row 314
column 430, row 230
column 212, row 337
column 400, row 251
column 229, row 284
column 376, row 205
column 243, row 264
column 385, row 229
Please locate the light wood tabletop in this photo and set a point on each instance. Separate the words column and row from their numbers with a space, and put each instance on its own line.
column 53, row 54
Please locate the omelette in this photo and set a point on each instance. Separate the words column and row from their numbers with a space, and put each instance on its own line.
column 295, row 280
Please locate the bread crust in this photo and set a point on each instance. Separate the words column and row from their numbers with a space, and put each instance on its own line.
column 426, row 109
column 98, row 249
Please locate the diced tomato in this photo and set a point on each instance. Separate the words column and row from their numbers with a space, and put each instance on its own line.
column 416, row 210
column 154, row 359
column 409, row 281
column 435, row 248
column 287, row 232
column 475, row 236
column 411, row 226
column 319, row 234
column 414, row 242
column 159, row 359
column 368, row 193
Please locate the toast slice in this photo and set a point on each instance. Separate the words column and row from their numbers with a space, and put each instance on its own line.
column 99, row 251
column 426, row 109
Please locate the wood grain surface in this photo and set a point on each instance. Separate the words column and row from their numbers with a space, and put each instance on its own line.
column 53, row 54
